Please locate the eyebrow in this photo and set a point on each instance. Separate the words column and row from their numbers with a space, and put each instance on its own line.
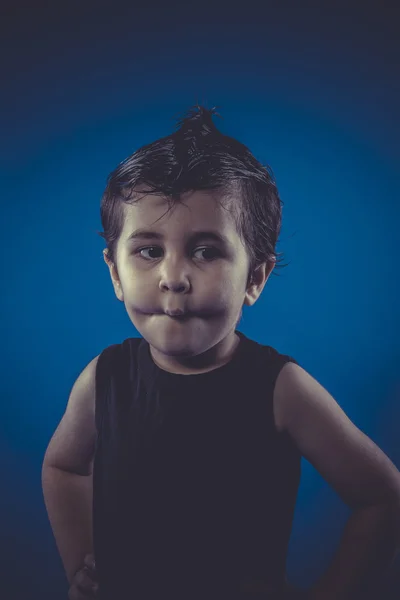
column 143, row 234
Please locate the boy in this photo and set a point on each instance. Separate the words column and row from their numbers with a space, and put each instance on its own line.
column 177, row 461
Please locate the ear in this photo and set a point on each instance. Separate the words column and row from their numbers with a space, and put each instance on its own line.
column 114, row 276
column 259, row 279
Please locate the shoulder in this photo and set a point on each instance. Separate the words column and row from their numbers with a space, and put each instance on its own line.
column 281, row 396
column 73, row 443
column 113, row 355
column 118, row 361
column 296, row 393
column 354, row 466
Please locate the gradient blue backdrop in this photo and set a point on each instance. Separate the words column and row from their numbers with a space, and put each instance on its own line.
column 312, row 94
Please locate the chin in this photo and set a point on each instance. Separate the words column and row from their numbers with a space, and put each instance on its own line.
column 176, row 348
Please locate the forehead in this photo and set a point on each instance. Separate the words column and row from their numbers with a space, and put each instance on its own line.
column 196, row 210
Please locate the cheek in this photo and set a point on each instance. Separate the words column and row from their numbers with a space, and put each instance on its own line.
column 232, row 281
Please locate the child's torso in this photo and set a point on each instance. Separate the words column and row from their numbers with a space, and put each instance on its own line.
column 194, row 488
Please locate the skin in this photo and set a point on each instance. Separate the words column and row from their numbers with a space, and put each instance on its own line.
column 176, row 273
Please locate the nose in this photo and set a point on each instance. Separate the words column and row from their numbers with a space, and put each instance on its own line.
column 177, row 284
column 174, row 275
column 174, row 287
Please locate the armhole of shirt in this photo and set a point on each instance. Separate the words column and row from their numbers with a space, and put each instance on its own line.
column 104, row 369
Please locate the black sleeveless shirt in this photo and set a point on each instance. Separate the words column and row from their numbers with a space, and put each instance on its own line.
column 194, row 489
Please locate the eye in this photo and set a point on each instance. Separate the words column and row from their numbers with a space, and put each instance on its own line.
column 202, row 249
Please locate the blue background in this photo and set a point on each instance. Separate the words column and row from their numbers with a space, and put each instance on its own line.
column 311, row 89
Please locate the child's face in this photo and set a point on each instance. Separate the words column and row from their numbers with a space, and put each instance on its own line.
column 177, row 272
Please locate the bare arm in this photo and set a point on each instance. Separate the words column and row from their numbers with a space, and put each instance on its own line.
column 67, row 474
column 357, row 469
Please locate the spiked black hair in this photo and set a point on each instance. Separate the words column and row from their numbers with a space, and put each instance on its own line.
column 197, row 156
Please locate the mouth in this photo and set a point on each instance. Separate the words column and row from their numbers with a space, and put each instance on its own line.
column 177, row 313
column 182, row 317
